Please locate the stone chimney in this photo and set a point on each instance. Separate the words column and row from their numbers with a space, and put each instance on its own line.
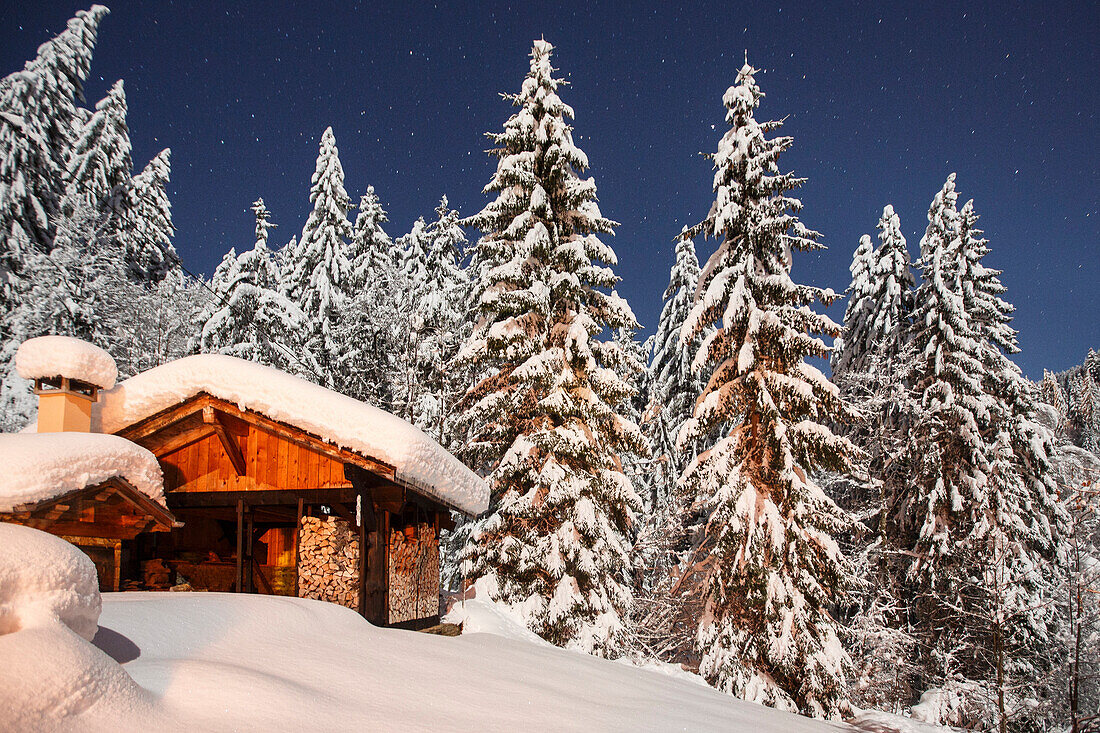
column 68, row 375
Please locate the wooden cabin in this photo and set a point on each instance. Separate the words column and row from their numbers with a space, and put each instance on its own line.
column 282, row 487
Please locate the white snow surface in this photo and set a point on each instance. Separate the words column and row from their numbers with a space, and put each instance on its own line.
column 213, row 661
column 64, row 356
column 220, row 661
column 336, row 418
column 39, row 466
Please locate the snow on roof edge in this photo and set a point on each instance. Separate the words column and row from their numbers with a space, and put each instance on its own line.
column 419, row 461
column 43, row 466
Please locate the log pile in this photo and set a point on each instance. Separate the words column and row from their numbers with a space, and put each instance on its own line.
column 156, row 575
column 414, row 573
column 328, row 561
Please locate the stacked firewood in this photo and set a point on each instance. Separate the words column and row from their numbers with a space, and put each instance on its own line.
column 156, row 575
column 328, row 561
column 414, row 573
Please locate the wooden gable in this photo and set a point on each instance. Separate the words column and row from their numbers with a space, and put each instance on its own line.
column 209, row 445
column 113, row 509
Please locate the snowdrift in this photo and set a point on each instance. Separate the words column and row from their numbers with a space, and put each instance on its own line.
column 214, row 661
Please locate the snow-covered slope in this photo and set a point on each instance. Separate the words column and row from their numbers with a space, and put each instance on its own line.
column 225, row 661
column 217, row 661
column 334, row 417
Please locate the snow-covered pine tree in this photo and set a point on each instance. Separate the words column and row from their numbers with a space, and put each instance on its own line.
column 146, row 232
column 372, row 325
column 37, row 120
column 77, row 289
column 931, row 516
column 372, row 250
column 1019, row 530
column 543, row 423
column 440, row 323
column 100, row 163
column 880, row 300
column 674, row 387
column 849, row 349
column 766, row 633
column 1083, row 392
column 317, row 269
column 411, row 284
column 250, row 318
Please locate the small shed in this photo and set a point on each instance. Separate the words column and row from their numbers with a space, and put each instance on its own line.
column 281, row 486
column 96, row 491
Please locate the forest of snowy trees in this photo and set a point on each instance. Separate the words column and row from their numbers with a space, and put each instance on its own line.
column 917, row 531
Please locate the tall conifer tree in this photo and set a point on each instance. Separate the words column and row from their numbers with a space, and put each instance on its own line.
column 317, row 269
column 766, row 633
column 543, row 421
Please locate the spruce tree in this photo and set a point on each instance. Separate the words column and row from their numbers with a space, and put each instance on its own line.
column 38, row 116
column 1018, row 532
column 674, row 386
column 876, row 323
column 373, row 326
column 372, row 254
column 544, row 422
column 849, row 350
column 440, row 322
column 947, row 379
column 766, row 633
column 100, row 163
column 147, row 230
column 317, row 269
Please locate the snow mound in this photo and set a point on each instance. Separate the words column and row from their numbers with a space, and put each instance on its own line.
column 212, row 661
column 51, row 677
column 44, row 577
column 335, row 418
column 40, row 466
column 64, row 356
column 476, row 613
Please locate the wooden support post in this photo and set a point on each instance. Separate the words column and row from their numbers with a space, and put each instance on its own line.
column 384, row 537
column 239, row 582
column 297, row 545
column 363, row 549
column 118, row 565
column 249, row 585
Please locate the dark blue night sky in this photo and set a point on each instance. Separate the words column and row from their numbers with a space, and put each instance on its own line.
column 882, row 103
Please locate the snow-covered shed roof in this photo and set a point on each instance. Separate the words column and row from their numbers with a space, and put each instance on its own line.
column 37, row 467
column 335, row 418
column 64, row 356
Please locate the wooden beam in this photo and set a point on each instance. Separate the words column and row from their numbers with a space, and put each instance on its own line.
column 384, row 536
column 265, row 585
column 343, row 512
column 211, row 417
column 297, row 544
column 263, row 497
column 301, row 437
column 248, row 584
column 239, row 587
column 363, row 549
column 162, row 446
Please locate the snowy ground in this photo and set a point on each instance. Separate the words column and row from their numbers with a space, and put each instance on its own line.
column 214, row 661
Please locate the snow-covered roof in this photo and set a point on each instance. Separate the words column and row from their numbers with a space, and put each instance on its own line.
column 64, row 356
column 335, row 418
column 41, row 466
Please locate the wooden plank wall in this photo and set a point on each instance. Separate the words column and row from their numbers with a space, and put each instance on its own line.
column 271, row 462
